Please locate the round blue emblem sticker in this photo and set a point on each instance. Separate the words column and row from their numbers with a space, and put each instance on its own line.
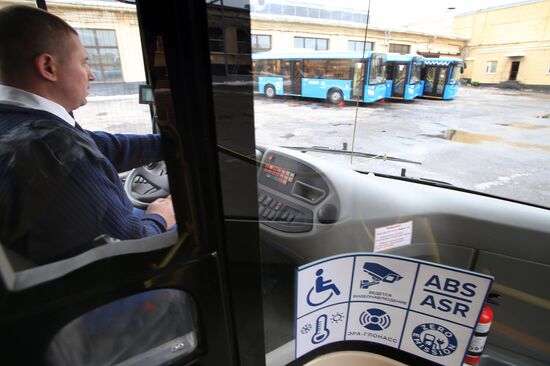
column 434, row 339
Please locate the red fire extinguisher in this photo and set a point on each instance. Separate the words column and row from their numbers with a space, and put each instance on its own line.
column 480, row 337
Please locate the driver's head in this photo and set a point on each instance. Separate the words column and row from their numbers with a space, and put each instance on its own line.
column 42, row 54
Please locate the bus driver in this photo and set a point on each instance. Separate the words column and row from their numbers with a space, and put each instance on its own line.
column 59, row 184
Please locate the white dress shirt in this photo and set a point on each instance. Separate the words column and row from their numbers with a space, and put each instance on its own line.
column 18, row 97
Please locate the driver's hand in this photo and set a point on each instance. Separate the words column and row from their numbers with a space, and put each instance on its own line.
column 164, row 208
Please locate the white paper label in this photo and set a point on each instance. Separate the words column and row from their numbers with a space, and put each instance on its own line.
column 393, row 236
column 477, row 345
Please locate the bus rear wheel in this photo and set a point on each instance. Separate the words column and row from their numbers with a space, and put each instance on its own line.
column 269, row 91
column 335, row 96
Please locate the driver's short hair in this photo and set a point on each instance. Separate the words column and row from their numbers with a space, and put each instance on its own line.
column 26, row 32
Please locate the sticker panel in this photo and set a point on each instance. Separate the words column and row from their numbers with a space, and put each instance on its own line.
column 321, row 327
column 423, row 308
column 435, row 339
column 375, row 323
column 325, row 284
column 384, row 280
column 449, row 294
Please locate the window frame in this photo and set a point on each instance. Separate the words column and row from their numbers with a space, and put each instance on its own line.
column 382, row 70
column 217, row 41
column 357, row 43
column 399, row 45
column 97, row 47
column 304, row 39
column 254, row 40
column 488, row 68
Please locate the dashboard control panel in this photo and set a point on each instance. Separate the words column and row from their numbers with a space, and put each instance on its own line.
column 283, row 215
column 292, row 178
column 289, row 181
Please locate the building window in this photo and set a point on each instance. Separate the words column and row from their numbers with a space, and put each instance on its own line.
column 289, row 10
column 261, row 42
column 491, row 67
column 400, row 48
column 318, row 44
column 360, row 46
column 103, row 54
column 301, row 11
column 215, row 36
column 243, row 41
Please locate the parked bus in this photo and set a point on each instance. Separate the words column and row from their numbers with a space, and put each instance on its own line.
column 336, row 76
column 440, row 77
column 403, row 76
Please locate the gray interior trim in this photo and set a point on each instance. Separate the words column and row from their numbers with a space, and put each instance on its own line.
column 17, row 281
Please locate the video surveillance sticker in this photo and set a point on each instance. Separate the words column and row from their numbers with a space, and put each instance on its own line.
column 422, row 308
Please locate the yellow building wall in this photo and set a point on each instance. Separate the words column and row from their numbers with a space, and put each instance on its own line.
column 283, row 32
column 519, row 33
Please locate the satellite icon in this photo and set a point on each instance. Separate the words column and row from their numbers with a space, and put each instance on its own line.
column 379, row 273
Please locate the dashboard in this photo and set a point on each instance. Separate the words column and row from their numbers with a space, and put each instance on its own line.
column 292, row 194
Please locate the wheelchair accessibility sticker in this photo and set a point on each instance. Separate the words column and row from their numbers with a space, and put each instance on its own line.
column 422, row 308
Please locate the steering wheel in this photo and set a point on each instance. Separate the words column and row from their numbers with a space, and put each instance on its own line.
column 145, row 184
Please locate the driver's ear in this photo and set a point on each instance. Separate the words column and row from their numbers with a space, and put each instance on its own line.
column 46, row 66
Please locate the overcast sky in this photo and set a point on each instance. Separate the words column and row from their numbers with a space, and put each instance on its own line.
column 403, row 12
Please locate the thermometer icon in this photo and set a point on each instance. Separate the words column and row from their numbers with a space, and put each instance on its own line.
column 321, row 330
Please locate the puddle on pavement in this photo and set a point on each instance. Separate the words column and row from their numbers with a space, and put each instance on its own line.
column 468, row 137
column 526, row 126
column 477, row 138
column 544, row 116
column 526, row 145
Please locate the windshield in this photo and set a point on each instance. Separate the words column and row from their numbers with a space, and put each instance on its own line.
column 484, row 139
column 455, row 74
column 377, row 69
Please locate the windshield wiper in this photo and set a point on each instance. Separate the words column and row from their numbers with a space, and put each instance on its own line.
column 348, row 152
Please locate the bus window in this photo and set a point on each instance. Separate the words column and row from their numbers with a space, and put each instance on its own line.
column 455, row 74
column 416, row 72
column 106, row 207
column 441, row 80
column 430, row 79
column 315, row 69
column 358, row 79
column 378, row 70
column 271, row 68
column 401, row 74
column 338, row 69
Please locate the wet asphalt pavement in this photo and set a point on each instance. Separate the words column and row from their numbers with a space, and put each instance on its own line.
column 489, row 140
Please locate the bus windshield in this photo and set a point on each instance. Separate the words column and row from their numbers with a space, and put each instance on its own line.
column 455, row 74
column 378, row 70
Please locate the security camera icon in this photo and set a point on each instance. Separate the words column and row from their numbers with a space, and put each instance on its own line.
column 379, row 273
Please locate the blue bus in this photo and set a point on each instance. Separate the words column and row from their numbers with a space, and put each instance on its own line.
column 403, row 76
column 335, row 76
column 441, row 77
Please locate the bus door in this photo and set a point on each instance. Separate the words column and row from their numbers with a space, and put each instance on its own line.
column 358, row 80
column 435, row 79
column 399, row 77
column 292, row 77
